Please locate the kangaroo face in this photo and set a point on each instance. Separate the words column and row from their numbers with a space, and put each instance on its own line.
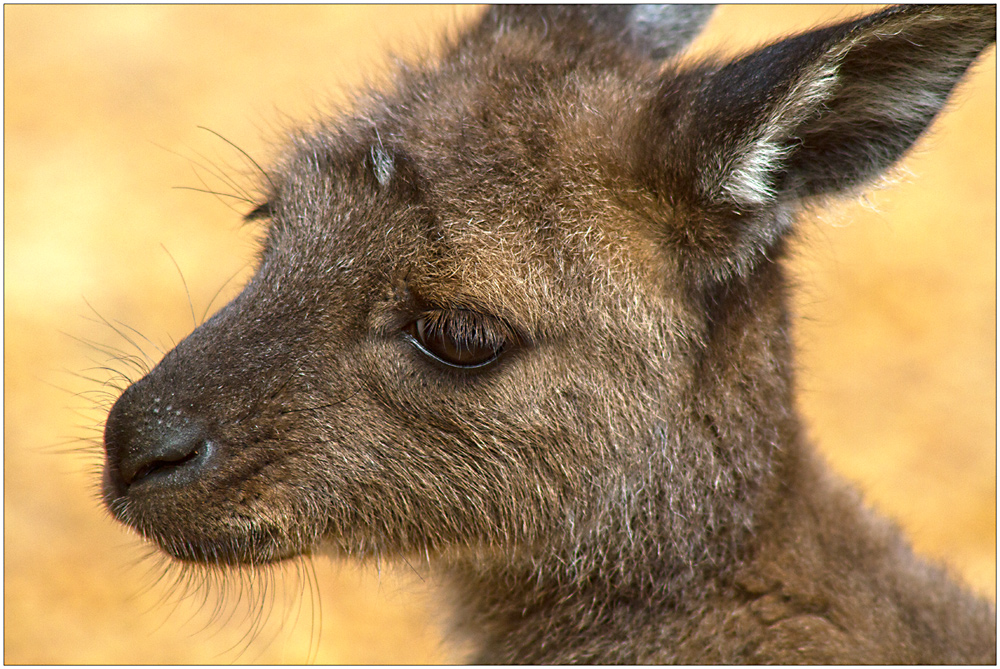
column 452, row 312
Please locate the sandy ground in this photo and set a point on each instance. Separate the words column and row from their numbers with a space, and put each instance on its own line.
column 102, row 113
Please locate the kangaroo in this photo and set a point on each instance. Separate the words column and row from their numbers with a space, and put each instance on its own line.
column 524, row 315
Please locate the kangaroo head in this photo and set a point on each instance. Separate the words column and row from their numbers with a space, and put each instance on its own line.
column 528, row 301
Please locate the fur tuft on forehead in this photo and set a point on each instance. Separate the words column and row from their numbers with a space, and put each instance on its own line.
column 383, row 165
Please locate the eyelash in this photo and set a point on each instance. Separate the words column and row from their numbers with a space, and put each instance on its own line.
column 459, row 338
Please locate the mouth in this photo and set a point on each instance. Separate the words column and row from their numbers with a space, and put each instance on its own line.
column 254, row 547
column 204, row 535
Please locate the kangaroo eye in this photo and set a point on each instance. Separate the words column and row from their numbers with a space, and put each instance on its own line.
column 458, row 338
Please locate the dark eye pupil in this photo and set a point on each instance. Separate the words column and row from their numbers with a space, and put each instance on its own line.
column 456, row 342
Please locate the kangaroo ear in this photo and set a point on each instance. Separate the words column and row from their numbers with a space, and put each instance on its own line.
column 818, row 114
column 654, row 32
column 833, row 109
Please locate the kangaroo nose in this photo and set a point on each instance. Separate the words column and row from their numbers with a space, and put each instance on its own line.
column 153, row 446
column 176, row 453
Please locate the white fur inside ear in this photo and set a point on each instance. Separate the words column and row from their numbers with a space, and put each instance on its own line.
column 748, row 178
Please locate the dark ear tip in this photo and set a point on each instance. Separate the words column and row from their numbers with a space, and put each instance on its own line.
column 659, row 30
column 977, row 17
column 652, row 32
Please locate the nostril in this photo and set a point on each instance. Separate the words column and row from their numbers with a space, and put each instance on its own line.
column 144, row 447
column 166, row 462
column 171, row 454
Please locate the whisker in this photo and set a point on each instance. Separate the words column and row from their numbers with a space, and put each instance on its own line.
column 245, row 155
column 209, row 191
column 220, row 174
column 187, row 293
column 219, row 291
column 148, row 340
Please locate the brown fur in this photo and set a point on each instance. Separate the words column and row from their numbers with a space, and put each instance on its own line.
column 626, row 481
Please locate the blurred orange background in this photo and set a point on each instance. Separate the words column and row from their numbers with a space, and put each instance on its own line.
column 897, row 305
